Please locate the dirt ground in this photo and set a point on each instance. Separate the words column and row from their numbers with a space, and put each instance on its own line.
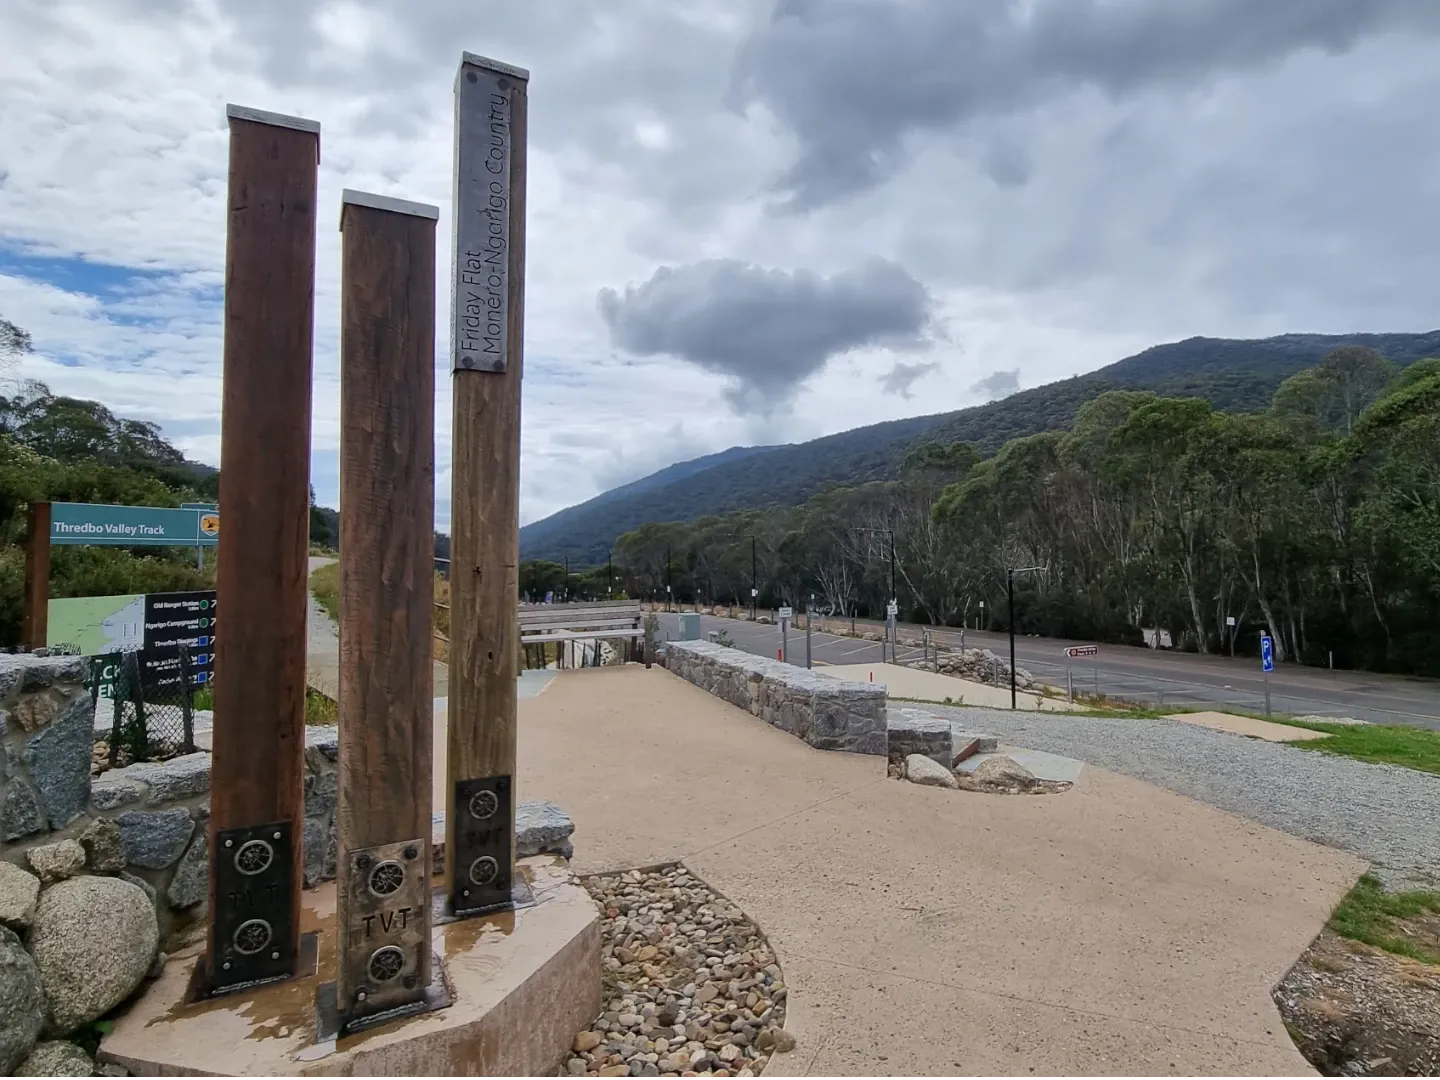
column 1354, row 1010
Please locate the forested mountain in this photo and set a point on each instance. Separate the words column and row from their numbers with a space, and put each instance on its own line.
column 542, row 533
column 1232, row 375
column 1316, row 521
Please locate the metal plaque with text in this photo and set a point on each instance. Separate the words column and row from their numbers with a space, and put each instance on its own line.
column 485, row 95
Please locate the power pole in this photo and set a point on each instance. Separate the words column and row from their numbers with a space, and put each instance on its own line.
column 565, row 595
column 667, row 577
column 610, row 574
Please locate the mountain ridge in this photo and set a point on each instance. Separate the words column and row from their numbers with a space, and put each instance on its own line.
column 1234, row 374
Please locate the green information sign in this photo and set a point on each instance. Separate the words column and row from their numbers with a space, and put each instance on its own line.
column 133, row 526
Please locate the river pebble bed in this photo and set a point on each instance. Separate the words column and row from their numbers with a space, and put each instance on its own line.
column 1384, row 813
column 691, row 987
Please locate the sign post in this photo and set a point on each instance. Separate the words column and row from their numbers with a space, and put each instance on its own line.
column 1071, row 652
column 1267, row 664
column 258, row 765
column 892, row 613
column 37, row 576
column 486, row 353
column 387, row 478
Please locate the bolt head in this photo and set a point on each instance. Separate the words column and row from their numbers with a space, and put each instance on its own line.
column 225, row 966
column 274, row 956
column 410, row 851
column 464, row 892
column 363, row 862
column 229, row 843
column 360, row 995
column 277, row 836
column 410, row 981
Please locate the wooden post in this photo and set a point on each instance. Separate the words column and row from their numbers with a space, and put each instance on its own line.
column 486, row 360
column 35, row 620
column 256, row 798
column 387, row 597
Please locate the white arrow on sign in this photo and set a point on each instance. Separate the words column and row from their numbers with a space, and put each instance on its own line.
column 1083, row 650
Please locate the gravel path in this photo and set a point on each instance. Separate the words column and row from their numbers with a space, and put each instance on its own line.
column 1384, row 813
column 322, row 635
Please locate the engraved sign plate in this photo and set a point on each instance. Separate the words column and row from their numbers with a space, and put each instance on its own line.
column 253, row 920
column 484, row 839
column 384, row 922
column 485, row 92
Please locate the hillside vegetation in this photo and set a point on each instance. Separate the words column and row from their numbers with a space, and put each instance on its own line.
column 1316, row 521
column 1232, row 375
column 70, row 450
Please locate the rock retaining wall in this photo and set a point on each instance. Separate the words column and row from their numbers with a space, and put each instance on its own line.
column 829, row 714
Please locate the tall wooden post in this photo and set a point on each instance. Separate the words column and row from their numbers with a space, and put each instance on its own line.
column 387, row 593
column 256, row 798
column 488, row 298
column 35, row 619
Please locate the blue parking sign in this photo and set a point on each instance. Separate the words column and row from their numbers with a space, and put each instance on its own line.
column 1267, row 653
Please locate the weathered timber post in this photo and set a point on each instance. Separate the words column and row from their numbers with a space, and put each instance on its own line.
column 256, row 797
column 35, row 617
column 387, row 594
column 486, row 348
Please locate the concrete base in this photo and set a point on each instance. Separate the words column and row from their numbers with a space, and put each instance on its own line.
column 524, row 984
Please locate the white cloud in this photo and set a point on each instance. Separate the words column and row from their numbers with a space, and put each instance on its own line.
column 1057, row 226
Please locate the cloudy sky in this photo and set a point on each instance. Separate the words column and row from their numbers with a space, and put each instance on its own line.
column 750, row 220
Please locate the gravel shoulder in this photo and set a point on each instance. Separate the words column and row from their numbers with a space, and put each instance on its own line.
column 1384, row 813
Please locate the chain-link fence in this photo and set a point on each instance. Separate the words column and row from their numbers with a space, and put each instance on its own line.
column 147, row 699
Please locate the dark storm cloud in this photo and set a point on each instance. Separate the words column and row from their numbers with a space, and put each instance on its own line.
column 902, row 376
column 766, row 330
column 997, row 384
column 854, row 79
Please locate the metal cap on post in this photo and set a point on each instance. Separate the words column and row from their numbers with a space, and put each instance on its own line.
column 486, row 350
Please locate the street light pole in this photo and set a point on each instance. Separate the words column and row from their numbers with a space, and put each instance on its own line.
column 895, row 622
column 1010, row 594
column 754, row 579
column 610, row 574
column 667, row 577
column 1010, row 573
column 567, row 578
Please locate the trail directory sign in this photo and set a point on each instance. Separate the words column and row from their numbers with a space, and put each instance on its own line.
column 1082, row 650
column 154, row 625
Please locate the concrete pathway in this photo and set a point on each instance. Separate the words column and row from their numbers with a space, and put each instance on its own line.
column 322, row 656
column 1248, row 725
column 1116, row 928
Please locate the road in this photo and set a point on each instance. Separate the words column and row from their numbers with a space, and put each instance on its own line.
column 1140, row 675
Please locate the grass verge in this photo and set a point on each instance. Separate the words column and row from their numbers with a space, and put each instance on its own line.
column 1381, row 744
column 325, row 587
column 1371, row 915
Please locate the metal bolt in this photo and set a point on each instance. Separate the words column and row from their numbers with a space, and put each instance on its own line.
column 410, row 851
column 464, row 892
column 360, row 995
column 363, row 862
column 410, row 981
column 274, row 956
column 225, row 966
column 277, row 836
column 229, row 843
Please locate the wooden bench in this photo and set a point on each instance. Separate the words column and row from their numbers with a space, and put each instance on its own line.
column 541, row 624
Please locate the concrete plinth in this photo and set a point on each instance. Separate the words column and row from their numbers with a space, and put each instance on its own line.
column 524, row 984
